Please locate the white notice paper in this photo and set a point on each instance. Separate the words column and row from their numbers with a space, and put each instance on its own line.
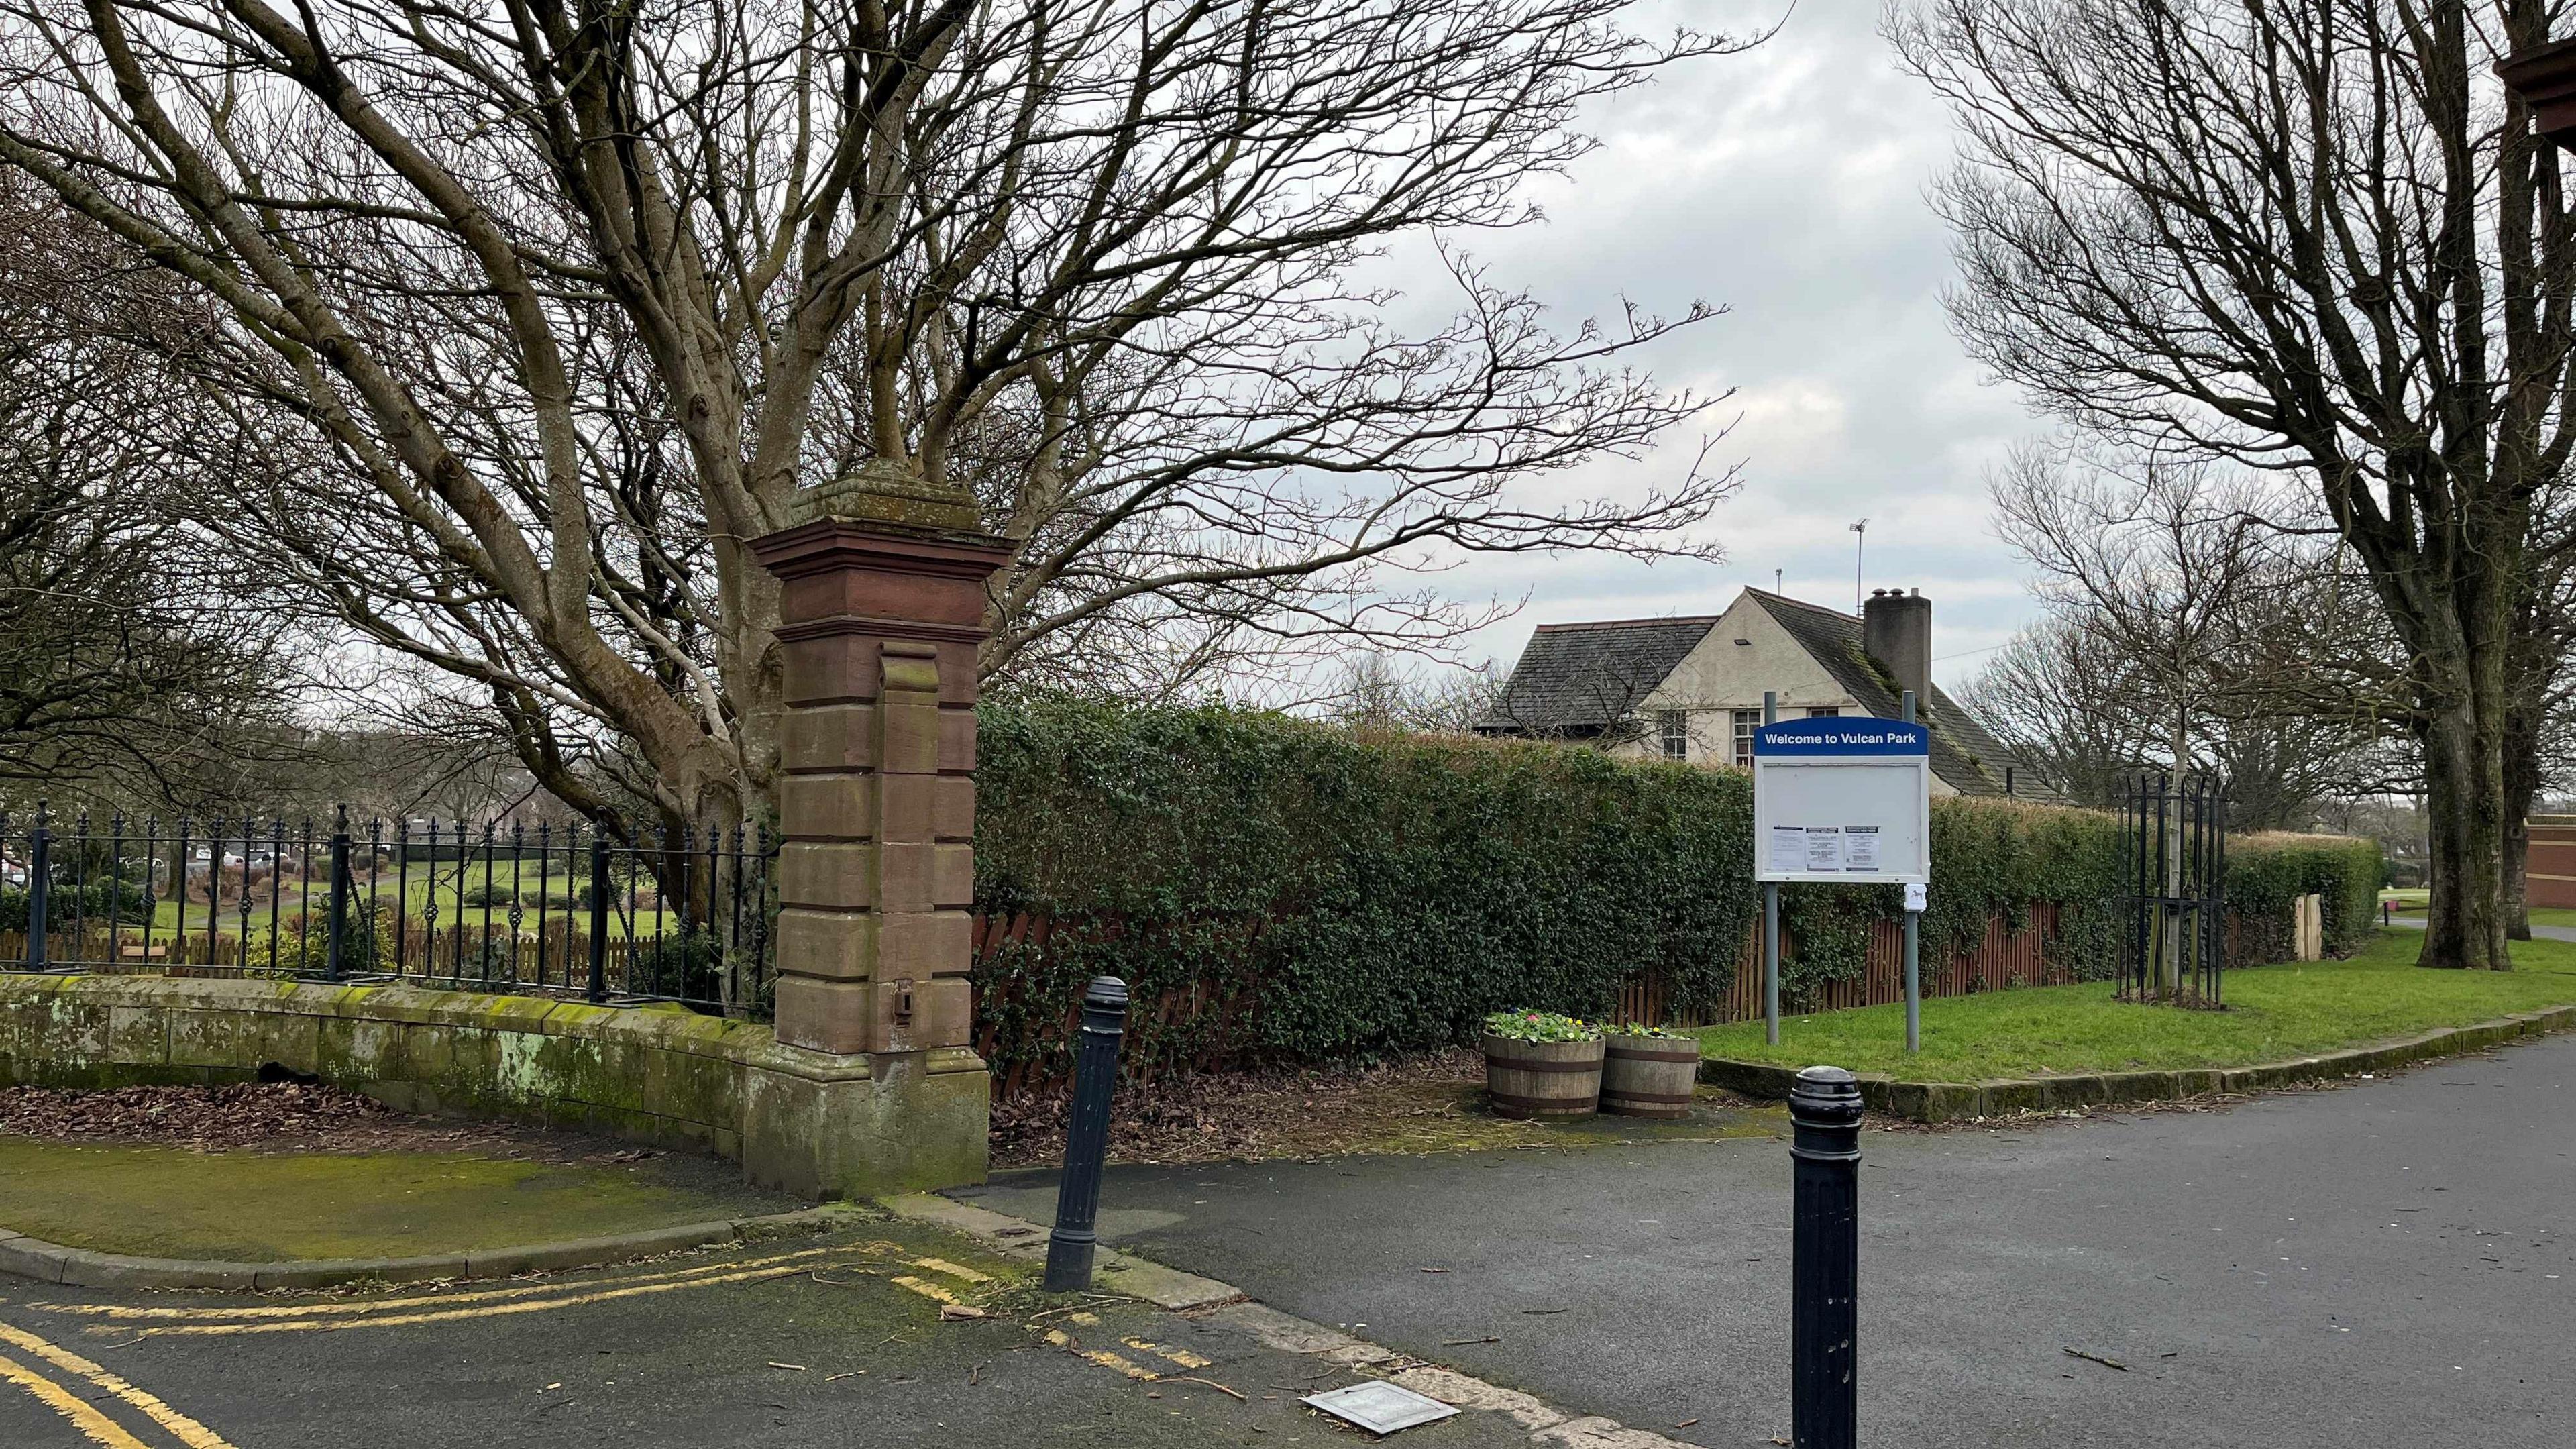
column 1860, row 847
column 1824, row 847
column 1788, row 848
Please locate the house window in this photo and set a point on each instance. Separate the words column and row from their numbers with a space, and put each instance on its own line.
column 1746, row 721
column 1825, row 711
column 1672, row 731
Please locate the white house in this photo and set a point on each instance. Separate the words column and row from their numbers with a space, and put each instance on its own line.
column 1691, row 688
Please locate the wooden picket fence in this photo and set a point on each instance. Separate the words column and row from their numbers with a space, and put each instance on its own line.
column 2002, row 959
column 1198, row 1027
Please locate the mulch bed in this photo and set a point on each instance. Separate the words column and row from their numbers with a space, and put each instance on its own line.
column 280, row 1116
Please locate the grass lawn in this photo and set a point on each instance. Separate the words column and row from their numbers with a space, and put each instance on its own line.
column 2275, row 1012
column 173, row 1202
column 2414, row 901
column 272, row 923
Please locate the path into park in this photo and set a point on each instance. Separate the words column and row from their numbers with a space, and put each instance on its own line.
column 2389, row 1263
column 2392, row 1262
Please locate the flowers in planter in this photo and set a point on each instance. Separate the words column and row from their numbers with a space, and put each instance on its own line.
column 1657, row 1033
column 1540, row 1026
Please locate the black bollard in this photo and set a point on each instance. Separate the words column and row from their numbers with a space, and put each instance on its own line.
column 1824, row 1116
column 1086, row 1137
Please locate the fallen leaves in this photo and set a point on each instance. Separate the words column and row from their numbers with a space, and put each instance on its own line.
column 210, row 1118
column 951, row 1312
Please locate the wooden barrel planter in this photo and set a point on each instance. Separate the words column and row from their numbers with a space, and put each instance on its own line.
column 1648, row 1076
column 1546, row 1080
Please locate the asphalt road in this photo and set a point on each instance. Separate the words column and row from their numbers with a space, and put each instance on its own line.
column 2389, row 1263
column 803, row 1344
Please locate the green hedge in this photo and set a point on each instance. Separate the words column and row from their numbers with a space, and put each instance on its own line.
column 2266, row 873
column 1278, row 891
column 1312, row 894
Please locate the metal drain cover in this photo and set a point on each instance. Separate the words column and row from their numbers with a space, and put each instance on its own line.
column 1381, row 1407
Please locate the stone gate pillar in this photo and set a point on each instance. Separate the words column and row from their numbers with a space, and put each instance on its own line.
column 877, row 1086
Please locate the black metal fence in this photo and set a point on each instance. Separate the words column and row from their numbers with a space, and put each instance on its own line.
column 545, row 908
column 2173, row 946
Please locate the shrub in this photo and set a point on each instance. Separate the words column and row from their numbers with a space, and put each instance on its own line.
column 2267, row 873
column 128, row 901
column 1277, row 891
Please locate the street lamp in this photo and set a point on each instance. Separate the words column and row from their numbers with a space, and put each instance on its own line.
column 1860, row 536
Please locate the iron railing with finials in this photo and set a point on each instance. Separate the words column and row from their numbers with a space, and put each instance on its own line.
column 547, row 908
column 2173, row 941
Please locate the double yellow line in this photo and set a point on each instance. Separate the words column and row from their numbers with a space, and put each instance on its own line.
column 21, row 1351
column 97, row 1427
column 151, row 1322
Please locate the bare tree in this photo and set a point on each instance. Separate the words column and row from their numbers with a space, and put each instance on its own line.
column 127, row 664
column 2157, row 569
column 2186, row 630
column 566, row 302
column 2072, row 703
column 1376, row 692
column 2310, row 238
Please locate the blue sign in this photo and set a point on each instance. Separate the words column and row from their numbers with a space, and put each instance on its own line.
column 1843, row 735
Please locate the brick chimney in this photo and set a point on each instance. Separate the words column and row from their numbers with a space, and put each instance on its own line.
column 1896, row 629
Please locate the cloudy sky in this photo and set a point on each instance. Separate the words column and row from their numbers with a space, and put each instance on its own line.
column 1787, row 185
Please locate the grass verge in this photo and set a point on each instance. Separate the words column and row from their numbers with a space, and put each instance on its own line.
column 174, row 1202
column 2274, row 1013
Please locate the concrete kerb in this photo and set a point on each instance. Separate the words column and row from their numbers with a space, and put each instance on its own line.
column 1545, row 1424
column 1955, row 1101
column 79, row 1267
column 1014, row 1238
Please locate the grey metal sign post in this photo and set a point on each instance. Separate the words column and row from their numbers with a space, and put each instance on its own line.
column 1771, row 918
column 1841, row 800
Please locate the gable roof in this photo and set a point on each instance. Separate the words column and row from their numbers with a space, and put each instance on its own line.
column 1965, row 754
column 1579, row 679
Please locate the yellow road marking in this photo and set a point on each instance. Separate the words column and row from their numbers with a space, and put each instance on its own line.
column 496, row 1310
column 182, row 1428
column 953, row 1270
column 926, row 1290
column 378, row 1305
column 99, row 1428
column 1181, row 1356
column 1100, row 1356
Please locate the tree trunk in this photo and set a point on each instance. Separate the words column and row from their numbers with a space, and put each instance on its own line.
column 2464, row 925
column 2521, row 792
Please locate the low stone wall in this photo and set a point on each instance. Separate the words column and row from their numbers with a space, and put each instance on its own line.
column 811, row 1123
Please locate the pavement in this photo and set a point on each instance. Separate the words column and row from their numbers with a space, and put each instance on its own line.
column 2545, row 933
column 2390, row 1262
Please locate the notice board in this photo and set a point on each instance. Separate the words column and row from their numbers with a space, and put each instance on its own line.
column 1845, row 799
